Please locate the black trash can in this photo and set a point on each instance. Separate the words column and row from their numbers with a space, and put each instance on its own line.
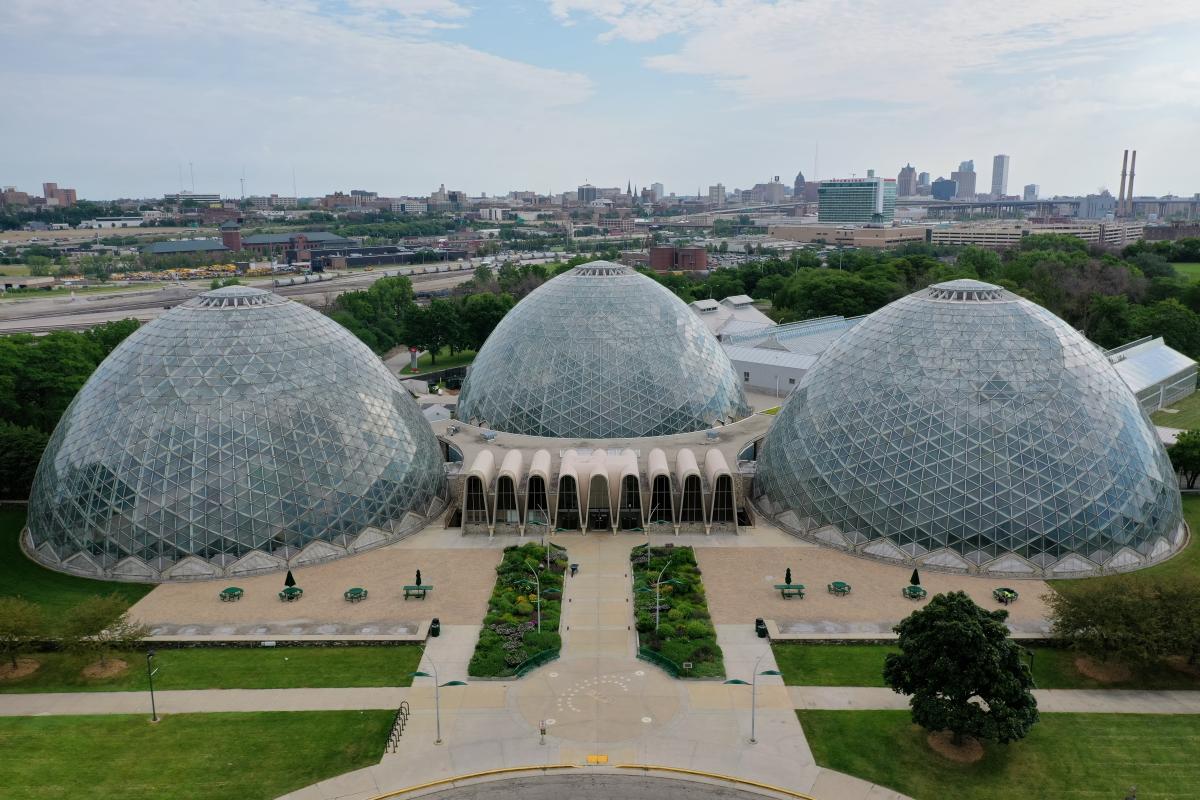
column 435, row 627
column 760, row 628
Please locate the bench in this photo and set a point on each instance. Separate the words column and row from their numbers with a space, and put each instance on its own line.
column 839, row 588
column 914, row 592
column 291, row 593
column 355, row 594
column 790, row 590
column 230, row 594
column 417, row 591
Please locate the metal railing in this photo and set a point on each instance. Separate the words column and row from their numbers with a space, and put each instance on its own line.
column 534, row 661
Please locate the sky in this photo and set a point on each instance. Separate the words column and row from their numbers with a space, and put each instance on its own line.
column 117, row 98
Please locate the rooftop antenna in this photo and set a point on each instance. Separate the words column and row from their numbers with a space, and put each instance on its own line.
column 243, row 183
column 192, row 172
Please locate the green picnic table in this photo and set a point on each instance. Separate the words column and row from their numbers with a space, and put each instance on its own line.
column 417, row 591
column 1004, row 595
column 914, row 592
column 839, row 588
column 291, row 593
column 790, row 590
column 355, row 594
column 230, row 594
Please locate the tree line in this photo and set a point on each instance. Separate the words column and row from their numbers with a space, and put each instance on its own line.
column 39, row 377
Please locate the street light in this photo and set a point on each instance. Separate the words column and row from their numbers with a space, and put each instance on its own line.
column 537, row 586
column 437, row 695
column 753, row 691
column 150, row 676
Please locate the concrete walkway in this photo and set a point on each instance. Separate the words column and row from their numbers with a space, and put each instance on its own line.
column 1086, row 701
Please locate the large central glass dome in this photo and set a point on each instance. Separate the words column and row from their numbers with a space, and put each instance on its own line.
column 966, row 428
column 240, row 432
column 601, row 352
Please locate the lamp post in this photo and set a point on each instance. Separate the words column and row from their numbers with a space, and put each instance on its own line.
column 537, row 585
column 437, row 695
column 753, row 692
column 150, row 676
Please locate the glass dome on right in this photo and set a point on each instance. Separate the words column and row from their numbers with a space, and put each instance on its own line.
column 965, row 428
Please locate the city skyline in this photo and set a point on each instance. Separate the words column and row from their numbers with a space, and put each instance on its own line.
column 399, row 96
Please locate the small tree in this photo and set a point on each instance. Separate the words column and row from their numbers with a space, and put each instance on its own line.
column 962, row 671
column 101, row 625
column 1185, row 457
column 21, row 624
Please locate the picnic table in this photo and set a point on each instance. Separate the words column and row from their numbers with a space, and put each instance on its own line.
column 787, row 590
column 230, row 594
column 839, row 588
column 355, row 594
column 1004, row 595
column 417, row 591
column 914, row 592
column 291, row 593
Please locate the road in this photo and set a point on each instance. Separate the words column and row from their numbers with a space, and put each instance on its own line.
column 86, row 311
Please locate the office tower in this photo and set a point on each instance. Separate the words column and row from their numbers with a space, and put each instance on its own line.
column 943, row 189
column 906, row 181
column 999, row 176
column 869, row 199
column 1030, row 193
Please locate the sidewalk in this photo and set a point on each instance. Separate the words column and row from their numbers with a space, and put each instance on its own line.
column 1085, row 701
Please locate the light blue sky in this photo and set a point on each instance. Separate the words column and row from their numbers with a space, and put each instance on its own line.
column 399, row 96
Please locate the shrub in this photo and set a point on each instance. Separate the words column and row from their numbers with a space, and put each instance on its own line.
column 685, row 632
column 510, row 634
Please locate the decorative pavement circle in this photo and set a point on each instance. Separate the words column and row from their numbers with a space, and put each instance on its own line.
column 599, row 699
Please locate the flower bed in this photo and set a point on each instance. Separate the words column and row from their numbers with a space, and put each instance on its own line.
column 685, row 632
column 510, row 636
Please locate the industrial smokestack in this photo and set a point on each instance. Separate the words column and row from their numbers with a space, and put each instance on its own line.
column 1132, row 170
column 1121, row 194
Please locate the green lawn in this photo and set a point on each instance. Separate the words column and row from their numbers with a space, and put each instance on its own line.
column 1185, row 564
column 14, row 269
column 231, row 668
column 1065, row 757
column 445, row 360
column 1188, row 269
column 862, row 665
column 1187, row 418
column 256, row 756
column 54, row 591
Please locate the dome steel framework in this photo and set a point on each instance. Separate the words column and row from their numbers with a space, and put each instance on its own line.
column 238, row 433
column 601, row 352
column 966, row 428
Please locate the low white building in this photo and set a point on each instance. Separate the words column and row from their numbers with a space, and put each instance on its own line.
column 113, row 222
column 1159, row 375
column 732, row 313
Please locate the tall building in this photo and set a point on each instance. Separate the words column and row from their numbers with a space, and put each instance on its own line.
column 869, row 199
column 586, row 194
column 922, row 179
column 1030, row 192
column 906, row 181
column 943, row 189
column 716, row 195
column 657, row 191
column 1098, row 206
column 60, row 198
column 965, row 178
column 999, row 175
column 798, row 187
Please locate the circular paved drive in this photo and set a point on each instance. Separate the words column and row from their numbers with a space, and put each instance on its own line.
column 598, row 699
column 594, row 786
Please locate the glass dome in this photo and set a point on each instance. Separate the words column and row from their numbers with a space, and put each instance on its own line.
column 966, row 428
column 239, row 432
column 601, row 352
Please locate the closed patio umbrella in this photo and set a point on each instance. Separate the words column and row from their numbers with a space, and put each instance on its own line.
column 289, row 581
column 915, row 580
column 418, row 577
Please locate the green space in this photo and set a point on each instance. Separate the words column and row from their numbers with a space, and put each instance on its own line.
column 510, row 634
column 56, row 592
column 773, row 411
column 249, row 756
column 1065, row 756
column 446, row 360
column 1187, row 414
column 679, row 628
column 228, row 668
column 1187, row 269
column 862, row 665
column 1183, row 565
column 19, row 270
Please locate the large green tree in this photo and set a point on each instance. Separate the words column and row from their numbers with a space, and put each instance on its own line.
column 1178, row 325
column 20, row 451
column 480, row 314
column 962, row 672
column 22, row 624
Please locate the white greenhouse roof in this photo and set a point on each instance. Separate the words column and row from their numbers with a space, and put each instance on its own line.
column 1146, row 363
